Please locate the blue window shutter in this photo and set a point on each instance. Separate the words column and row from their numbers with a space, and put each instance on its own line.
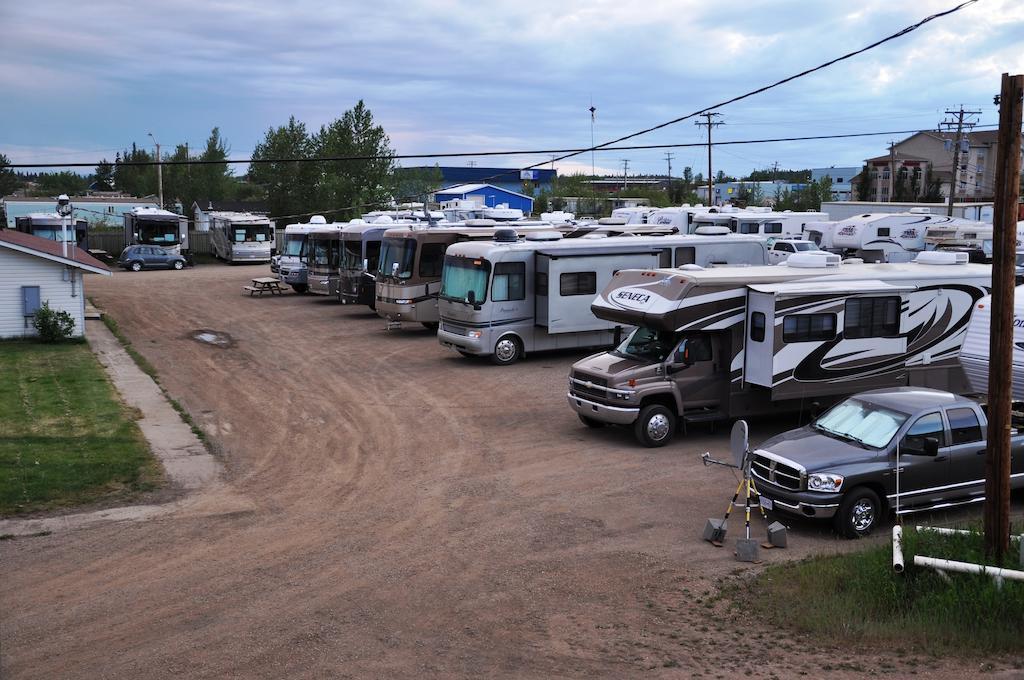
column 30, row 300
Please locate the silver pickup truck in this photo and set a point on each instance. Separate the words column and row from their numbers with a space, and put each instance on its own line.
column 843, row 466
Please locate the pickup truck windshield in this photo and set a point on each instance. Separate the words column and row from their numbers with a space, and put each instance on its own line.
column 464, row 274
column 861, row 422
column 647, row 344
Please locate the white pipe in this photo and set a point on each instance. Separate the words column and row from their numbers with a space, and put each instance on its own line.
column 897, row 549
column 952, row 532
column 968, row 568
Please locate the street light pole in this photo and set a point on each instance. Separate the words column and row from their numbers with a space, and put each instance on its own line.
column 64, row 209
column 159, row 170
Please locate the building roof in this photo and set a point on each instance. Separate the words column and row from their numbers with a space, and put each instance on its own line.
column 51, row 250
column 463, row 189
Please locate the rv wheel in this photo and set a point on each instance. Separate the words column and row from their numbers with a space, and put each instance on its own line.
column 859, row 513
column 300, row 288
column 508, row 350
column 429, row 325
column 590, row 422
column 655, row 426
column 136, row 266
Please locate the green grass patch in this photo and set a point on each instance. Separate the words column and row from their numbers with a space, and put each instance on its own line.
column 858, row 598
column 65, row 437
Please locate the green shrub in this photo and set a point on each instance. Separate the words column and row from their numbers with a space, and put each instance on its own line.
column 53, row 325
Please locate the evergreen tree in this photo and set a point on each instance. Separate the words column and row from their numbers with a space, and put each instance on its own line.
column 9, row 181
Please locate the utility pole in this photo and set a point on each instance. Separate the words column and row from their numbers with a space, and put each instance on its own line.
column 775, row 170
column 159, row 170
column 625, row 172
column 471, row 164
column 957, row 119
column 668, row 157
column 1000, row 377
column 710, row 122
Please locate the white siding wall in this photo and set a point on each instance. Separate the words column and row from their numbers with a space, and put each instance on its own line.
column 19, row 269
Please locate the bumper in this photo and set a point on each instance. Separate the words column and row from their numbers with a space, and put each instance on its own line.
column 274, row 267
column 480, row 345
column 247, row 256
column 606, row 414
column 424, row 312
column 293, row 276
column 799, row 503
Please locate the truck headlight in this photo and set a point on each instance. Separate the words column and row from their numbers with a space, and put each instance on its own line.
column 474, row 334
column 824, row 482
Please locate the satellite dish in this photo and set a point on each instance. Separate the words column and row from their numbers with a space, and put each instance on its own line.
column 738, row 442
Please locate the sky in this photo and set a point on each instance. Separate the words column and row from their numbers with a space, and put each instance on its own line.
column 82, row 80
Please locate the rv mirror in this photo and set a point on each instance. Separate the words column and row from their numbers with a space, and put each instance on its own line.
column 931, row 447
column 366, row 264
column 394, row 269
column 738, row 442
column 471, row 297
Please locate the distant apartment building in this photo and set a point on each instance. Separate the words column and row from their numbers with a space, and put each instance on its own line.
column 842, row 188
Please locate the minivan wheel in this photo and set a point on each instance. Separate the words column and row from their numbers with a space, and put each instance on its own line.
column 591, row 423
column 859, row 513
column 508, row 350
column 179, row 265
column 136, row 266
column 300, row 288
column 655, row 425
column 429, row 325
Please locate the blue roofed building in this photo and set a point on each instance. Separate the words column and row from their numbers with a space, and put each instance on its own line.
column 485, row 194
column 510, row 179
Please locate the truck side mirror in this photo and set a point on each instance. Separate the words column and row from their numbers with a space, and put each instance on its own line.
column 684, row 357
column 931, row 447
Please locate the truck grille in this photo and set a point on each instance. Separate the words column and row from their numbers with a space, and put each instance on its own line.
column 595, row 389
column 774, row 472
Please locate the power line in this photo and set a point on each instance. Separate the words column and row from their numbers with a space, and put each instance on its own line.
column 529, row 152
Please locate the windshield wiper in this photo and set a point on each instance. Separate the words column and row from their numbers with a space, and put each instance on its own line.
column 840, row 435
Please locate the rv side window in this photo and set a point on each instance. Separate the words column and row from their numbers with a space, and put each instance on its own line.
column 883, row 231
column 686, row 255
column 577, row 283
column 773, row 228
column 665, row 257
column 963, row 426
column 432, row 259
column 509, row 281
column 872, row 317
column 808, row 327
column 372, row 255
column 541, row 284
column 757, row 326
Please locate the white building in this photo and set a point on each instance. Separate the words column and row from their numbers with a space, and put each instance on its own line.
column 34, row 270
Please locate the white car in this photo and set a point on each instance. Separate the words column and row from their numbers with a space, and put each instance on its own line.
column 781, row 249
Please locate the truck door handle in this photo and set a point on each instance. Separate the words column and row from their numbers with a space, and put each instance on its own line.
column 939, row 459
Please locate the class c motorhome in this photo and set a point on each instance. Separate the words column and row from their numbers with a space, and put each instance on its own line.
column 508, row 296
column 50, row 226
column 241, row 237
column 725, row 343
column 156, row 227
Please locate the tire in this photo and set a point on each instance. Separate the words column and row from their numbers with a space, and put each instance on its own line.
column 430, row 325
column 655, row 426
column 860, row 512
column 300, row 288
column 179, row 265
column 507, row 350
column 136, row 266
column 591, row 423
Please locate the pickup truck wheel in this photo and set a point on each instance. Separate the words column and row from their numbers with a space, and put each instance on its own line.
column 590, row 422
column 859, row 513
column 655, row 426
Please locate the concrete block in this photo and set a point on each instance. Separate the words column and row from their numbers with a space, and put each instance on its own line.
column 747, row 550
column 777, row 535
column 714, row 530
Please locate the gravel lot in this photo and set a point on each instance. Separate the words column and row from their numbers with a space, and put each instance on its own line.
column 392, row 509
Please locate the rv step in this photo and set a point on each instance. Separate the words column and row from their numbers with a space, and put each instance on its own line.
column 705, row 416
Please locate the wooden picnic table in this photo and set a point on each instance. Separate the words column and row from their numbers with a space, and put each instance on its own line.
column 264, row 284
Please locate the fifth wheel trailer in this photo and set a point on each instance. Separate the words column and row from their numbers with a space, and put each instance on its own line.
column 975, row 351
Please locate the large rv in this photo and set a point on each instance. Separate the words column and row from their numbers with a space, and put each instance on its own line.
column 725, row 343
column 975, row 351
column 973, row 238
column 887, row 237
column 156, row 227
column 765, row 223
column 241, row 237
column 323, row 259
column 290, row 262
column 50, row 226
column 360, row 256
column 508, row 296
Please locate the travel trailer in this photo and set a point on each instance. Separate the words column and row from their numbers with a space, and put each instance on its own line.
column 887, row 237
column 973, row 238
column 241, row 237
column 679, row 217
column 290, row 262
column 50, row 226
column 323, row 258
column 773, row 225
column 156, row 227
column 715, row 344
column 508, row 296
column 360, row 256
column 633, row 215
column 975, row 351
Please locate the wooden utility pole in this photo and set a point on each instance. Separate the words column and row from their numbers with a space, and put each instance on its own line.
column 1004, row 247
column 960, row 122
column 710, row 122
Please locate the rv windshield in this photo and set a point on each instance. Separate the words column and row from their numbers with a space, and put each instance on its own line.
column 462, row 275
column 352, row 254
column 54, row 233
column 647, row 344
column 861, row 422
column 294, row 245
column 397, row 255
column 158, row 233
column 250, row 233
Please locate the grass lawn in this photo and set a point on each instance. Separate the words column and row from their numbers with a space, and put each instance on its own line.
column 857, row 598
column 65, row 436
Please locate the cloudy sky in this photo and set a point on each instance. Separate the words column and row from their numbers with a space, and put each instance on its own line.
column 83, row 79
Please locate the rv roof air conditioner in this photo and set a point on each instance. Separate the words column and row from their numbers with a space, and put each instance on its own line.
column 506, row 236
column 690, row 267
column 712, row 231
column 383, row 219
column 318, row 219
column 813, row 260
column 480, row 223
column 942, row 257
column 854, row 260
column 612, row 220
column 542, row 236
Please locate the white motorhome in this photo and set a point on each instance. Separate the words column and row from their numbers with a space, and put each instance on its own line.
column 974, row 354
column 51, row 226
column 508, row 296
column 323, row 258
column 290, row 262
column 156, row 227
column 241, row 237
column 724, row 343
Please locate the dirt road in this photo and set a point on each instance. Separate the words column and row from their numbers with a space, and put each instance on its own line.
column 407, row 513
